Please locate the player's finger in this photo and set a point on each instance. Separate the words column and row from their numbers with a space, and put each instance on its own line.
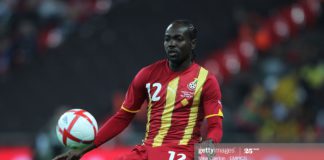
column 72, row 158
column 60, row 157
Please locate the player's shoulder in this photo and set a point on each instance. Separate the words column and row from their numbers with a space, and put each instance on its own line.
column 209, row 73
column 153, row 66
column 211, row 85
column 210, row 76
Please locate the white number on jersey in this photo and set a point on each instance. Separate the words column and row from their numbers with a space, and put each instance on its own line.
column 180, row 155
column 155, row 96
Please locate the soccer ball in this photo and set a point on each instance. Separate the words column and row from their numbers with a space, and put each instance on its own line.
column 76, row 128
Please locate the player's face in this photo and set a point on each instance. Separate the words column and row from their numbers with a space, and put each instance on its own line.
column 178, row 44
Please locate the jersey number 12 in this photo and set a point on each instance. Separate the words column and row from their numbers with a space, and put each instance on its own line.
column 155, row 96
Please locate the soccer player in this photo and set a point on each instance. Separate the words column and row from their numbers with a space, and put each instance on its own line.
column 180, row 94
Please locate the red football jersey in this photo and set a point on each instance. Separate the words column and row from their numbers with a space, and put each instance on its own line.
column 177, row 102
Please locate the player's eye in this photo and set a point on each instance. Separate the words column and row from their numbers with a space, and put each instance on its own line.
column 179, row 38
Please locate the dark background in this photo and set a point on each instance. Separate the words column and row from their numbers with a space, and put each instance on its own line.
column 101, row 53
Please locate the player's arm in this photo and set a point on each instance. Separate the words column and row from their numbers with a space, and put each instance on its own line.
column 213, row 109
column 75, row 154
column 135, row 96
column 215, row 130
column 110, row 129
column 114, row 126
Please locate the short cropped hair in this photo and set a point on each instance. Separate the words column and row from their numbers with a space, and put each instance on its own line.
column 191, row 28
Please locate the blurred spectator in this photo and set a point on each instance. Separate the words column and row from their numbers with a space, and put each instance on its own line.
column 287, row 106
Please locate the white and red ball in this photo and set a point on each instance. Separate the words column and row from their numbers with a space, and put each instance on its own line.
column 76, row 128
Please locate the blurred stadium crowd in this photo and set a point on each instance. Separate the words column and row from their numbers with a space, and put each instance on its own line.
column 29, row 28
column 277, row 65
column 271, row 70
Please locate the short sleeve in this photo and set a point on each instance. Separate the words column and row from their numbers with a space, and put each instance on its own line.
column 136, row 93
column 211, row 98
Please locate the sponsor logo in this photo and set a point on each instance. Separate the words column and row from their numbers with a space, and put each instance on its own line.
column 187, row 94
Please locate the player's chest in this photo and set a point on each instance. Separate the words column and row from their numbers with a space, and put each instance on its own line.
column 174, row 89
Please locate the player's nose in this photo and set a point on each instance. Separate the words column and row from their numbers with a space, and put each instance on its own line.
column 171, row 44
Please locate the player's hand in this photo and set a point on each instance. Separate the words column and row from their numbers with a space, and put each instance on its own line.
column 208, row 141
column 70, row 155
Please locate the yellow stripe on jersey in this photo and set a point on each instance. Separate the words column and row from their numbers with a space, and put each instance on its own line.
column 220, row 114
column 167, row 112
column 149, row 108
column 148, row 119
column 130, row 111
column 194, row 108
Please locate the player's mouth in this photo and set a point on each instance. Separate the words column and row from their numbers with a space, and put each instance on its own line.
column 173, row 53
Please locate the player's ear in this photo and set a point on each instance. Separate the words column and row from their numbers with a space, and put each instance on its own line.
column 193, row 44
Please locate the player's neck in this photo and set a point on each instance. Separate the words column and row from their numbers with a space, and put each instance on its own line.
column 175, row 67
